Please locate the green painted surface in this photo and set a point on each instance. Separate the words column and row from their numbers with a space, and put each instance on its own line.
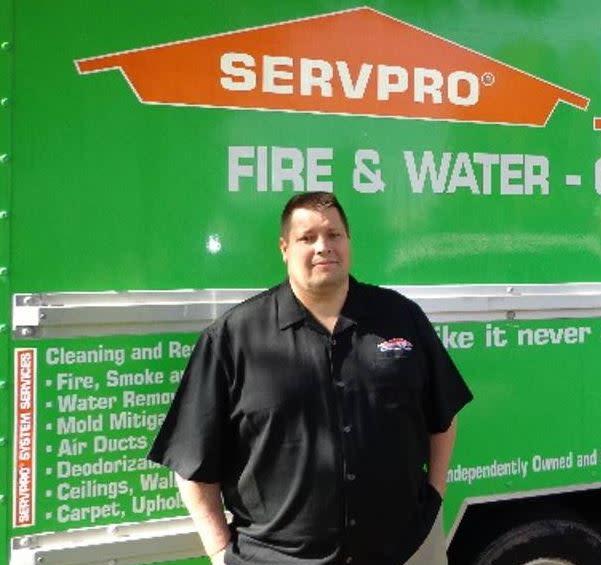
column 537, row 397
column 100, row 403
column 111, row 194
column 103, row 180
column 6, row 78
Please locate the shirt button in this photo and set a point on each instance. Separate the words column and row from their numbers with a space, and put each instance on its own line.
column 340, row 384
column 350, row 477
column 352, row 522
column 347, row 429
column 333, row 341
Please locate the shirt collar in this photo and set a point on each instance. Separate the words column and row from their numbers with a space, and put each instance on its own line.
column 290, row 310
column 354, row 308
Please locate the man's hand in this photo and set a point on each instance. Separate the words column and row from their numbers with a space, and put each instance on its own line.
column 203, row 501
column 441, row 448
column 218, row 558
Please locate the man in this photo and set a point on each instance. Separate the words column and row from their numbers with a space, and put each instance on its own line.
column 314, row 408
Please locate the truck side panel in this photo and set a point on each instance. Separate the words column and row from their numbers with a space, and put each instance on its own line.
column 124, row 199
column 6, row 101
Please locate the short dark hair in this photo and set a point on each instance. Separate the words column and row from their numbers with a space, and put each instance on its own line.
column 313, row 201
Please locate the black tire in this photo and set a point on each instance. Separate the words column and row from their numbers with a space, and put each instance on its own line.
column 544, row 542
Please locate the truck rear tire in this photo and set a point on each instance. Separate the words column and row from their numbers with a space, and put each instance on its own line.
column 544, row 542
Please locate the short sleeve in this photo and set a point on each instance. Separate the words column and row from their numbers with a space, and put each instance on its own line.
column 446, row 392
column 192, row 437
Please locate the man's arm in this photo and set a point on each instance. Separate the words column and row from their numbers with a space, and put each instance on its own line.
column 203, row 501
column 441, row 448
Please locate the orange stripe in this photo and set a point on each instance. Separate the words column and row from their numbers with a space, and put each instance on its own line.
column 191, row 72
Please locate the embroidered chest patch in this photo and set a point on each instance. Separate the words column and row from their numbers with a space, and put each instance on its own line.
column 398, row 344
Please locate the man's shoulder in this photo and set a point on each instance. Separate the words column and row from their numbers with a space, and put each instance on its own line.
column 382, row 298
column 254, row 310
column 389, row 308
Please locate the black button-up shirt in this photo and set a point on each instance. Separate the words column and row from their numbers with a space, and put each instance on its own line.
column 319, row 440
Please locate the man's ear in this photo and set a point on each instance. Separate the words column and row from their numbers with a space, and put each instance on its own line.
column 283, row 248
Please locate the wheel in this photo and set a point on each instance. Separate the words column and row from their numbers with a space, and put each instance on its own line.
column 544, row 542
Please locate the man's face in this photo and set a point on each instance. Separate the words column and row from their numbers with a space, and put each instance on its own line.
column 316, row 250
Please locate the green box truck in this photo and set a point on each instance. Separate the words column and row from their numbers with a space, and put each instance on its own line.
column 146, row 150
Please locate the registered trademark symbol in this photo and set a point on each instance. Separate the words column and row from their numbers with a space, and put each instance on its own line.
column 488, row 79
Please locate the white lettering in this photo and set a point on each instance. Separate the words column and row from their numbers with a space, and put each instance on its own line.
column 433, row 172
column 463, row 175
column 136, row 400
column 536, row 173
column 553, row 336
column 72, row 425
column 357, row 90
column 315, row 169
column 91, row 514
column 428, row 170
column 237, row 170
column 427, row 82
column 487, row 160
column 508, row 174
column 284, row 75
column 293, row 173
column 148, row 377
column 391, row 79
column 472, row 85
column 271, row 74
column 261, row 168
column 245, row 78
column 316, row 73
column 178, row 350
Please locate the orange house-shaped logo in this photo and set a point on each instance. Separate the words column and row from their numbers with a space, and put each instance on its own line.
column 354, row 62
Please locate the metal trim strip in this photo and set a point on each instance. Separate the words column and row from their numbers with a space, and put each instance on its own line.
column 128, row 544
column 132, row 312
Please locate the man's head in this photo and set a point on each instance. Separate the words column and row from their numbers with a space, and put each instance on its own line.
column 314, row 241
column 317, row 201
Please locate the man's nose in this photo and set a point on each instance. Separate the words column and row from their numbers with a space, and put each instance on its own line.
column 321, row 245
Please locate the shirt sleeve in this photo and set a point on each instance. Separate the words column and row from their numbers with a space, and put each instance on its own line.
column 192, row 437
column 446, row 392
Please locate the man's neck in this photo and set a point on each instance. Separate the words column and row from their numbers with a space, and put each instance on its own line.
column 324, row 304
